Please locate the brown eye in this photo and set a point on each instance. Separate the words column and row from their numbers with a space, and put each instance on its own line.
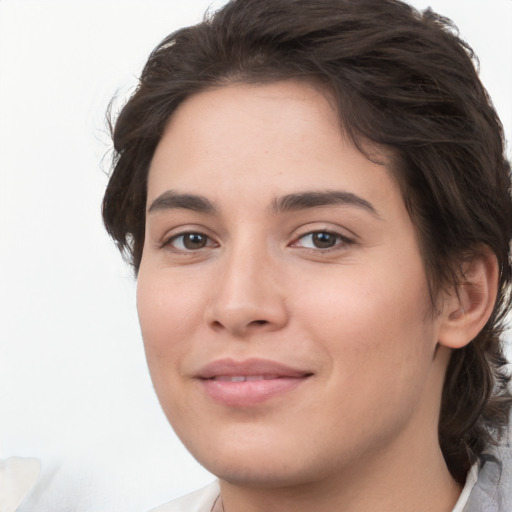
column 193, row 241
column 324, row 240
column 189, row 242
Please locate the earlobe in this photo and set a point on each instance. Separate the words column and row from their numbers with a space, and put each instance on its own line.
column 467, row 309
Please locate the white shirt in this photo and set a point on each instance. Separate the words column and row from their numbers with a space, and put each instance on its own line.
column 468, row 487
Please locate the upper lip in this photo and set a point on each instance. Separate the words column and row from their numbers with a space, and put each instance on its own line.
column 249, row 367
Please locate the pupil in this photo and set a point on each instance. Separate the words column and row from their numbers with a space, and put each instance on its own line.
column 194, row 241
column 324, row 240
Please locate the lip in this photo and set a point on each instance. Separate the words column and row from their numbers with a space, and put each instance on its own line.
column 250, row 382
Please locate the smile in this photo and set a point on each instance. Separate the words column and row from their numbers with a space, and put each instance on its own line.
column 244, row 378
column 249, row 383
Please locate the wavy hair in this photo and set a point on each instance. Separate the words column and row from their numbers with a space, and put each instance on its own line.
column 403, row 80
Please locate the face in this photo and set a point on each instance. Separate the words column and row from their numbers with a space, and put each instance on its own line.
column 282, row 297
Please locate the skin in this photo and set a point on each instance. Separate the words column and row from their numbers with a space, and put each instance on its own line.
column 360, row 433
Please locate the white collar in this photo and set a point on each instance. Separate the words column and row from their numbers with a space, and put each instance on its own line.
column 468, row 487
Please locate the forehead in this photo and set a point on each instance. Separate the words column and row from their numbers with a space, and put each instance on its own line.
column 273, row 133
column 254, row 114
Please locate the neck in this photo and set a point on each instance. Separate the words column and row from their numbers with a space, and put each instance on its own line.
column 415, row 485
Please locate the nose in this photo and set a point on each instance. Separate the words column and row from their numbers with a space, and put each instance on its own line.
column 249, row 296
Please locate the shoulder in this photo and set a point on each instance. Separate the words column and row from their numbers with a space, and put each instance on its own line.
column 493, row 489
column 198, row 501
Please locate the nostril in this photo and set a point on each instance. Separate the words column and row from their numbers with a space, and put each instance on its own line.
column 216, row 324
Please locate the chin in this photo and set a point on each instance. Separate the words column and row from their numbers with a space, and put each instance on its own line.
column 262, row 474
column 263, row 464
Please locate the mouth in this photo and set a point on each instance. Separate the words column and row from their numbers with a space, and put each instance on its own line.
column 249, row 383
column 244, row 378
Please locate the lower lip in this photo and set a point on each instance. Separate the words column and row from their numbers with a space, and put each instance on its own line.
column 250, row 393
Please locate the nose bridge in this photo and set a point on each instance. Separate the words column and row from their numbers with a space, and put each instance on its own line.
column 247, row 295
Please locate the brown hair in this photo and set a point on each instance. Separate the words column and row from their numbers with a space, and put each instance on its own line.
column 403, row 80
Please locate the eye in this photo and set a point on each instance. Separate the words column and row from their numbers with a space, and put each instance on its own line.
column 321, row 240
column 189, row 242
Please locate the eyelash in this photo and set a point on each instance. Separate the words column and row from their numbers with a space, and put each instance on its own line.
column 340, row 241
column 169, row 242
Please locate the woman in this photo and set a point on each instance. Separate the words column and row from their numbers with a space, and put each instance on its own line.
column 315, row 199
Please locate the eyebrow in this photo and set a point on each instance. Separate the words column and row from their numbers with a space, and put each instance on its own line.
column 171, row 200
column 305, row 200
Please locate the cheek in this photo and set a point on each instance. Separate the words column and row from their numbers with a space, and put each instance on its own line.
column 375, row 320
column 168, row 317
column 380, row 356
column 168, row 312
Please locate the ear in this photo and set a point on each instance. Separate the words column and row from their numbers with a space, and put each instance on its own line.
column 467, row 308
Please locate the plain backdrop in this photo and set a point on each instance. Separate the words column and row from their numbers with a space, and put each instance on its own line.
column 74, row 388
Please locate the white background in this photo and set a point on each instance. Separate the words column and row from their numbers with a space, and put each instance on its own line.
column 74, row 389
